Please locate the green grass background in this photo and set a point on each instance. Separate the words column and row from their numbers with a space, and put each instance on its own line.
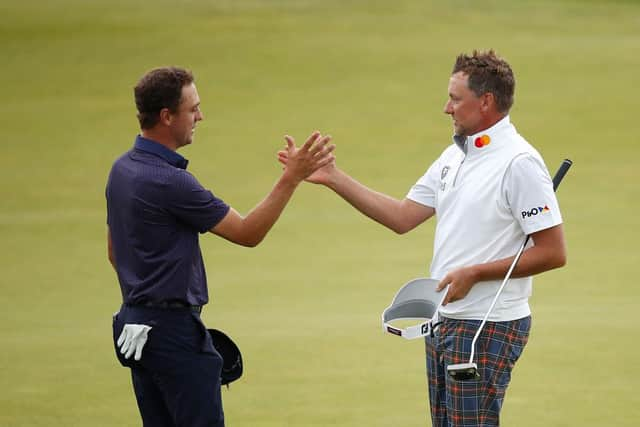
column 305, row 305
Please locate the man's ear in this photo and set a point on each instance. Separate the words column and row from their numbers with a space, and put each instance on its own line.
column 488, row 102
column 165, row 116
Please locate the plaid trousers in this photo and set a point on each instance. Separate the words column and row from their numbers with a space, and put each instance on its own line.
column 474, row 403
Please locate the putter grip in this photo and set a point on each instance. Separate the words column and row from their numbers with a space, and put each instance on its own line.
column 562, row 171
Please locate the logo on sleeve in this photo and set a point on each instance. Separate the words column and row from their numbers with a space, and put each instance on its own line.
column 535, row 211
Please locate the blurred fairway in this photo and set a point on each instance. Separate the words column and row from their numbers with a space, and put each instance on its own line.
column 304, row 306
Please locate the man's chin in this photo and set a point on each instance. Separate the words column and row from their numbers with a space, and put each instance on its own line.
column 460, row 131
column 185, row 143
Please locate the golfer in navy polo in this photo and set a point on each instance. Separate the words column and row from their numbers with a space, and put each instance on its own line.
column 155, row 213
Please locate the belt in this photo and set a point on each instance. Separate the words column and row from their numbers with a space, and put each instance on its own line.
column 168, row 305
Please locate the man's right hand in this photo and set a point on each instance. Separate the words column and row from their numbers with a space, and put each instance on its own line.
column 302, row 163
column 400, row 216
column 313, row 161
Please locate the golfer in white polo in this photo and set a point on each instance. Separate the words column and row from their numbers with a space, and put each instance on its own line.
column 488, row 190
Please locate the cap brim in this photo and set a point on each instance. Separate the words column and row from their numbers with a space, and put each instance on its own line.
column 417, row 299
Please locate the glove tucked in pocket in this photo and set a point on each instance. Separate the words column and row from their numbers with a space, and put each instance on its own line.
column 131, row 338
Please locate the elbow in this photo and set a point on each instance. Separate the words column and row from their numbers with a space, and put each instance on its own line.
column 401, row 227
column 251, row 241
column 402, row 224
column 251, row 244
column 558, row 261
column 561, row 260
column 400, row 230
column 110, row 256
column 112, row 260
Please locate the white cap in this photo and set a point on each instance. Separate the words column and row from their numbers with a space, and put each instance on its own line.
column 416, row 300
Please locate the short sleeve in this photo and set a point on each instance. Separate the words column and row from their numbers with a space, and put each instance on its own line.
column 425, row 189
column 193, row 204
column 529, row 193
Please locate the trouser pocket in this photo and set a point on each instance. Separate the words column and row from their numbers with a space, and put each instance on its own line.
column 117, row 326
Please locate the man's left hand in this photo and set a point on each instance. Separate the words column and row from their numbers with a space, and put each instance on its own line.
column 460, row 282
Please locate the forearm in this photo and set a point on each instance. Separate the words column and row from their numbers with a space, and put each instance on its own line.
column 264, row 215
column 534, row 260
column 251, row 229
column 380, row 207
column 548, row 252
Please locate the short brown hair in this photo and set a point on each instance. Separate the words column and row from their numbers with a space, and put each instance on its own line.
column 488, row 73
column 157, row 89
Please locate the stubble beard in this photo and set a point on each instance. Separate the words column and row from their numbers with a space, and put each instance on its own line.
column 460, row 130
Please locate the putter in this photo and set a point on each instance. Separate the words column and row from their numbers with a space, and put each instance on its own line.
column 469, row 371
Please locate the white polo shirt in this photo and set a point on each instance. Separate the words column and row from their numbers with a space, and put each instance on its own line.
column 489, row 191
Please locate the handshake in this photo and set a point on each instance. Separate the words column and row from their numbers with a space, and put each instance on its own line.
column 313, row 161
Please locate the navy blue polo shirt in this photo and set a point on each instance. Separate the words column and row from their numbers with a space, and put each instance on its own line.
column 155, row 210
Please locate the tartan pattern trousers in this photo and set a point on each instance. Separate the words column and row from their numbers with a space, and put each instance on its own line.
column 474, row 403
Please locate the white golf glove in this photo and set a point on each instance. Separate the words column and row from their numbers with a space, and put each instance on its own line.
column 132, row 339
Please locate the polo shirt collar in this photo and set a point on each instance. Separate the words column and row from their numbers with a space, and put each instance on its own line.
column 483, row 141
column 150, row 146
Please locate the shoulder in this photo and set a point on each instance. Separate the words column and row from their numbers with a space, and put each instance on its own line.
column 524, row 157
column 121, row 168
column 518, row 144
column 519, row 153
column 451, row 151
column 449, row 155
column 523, row 163
column 182, row 180
column 447, row 158
column 527, row 168
column 121, row 160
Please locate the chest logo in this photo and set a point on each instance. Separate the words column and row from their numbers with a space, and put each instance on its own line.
column 444, row 172
column 482, row 141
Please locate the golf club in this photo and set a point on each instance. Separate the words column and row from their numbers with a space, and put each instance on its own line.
column 469, row 371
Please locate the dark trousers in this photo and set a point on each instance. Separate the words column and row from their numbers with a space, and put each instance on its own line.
column 177, row 380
